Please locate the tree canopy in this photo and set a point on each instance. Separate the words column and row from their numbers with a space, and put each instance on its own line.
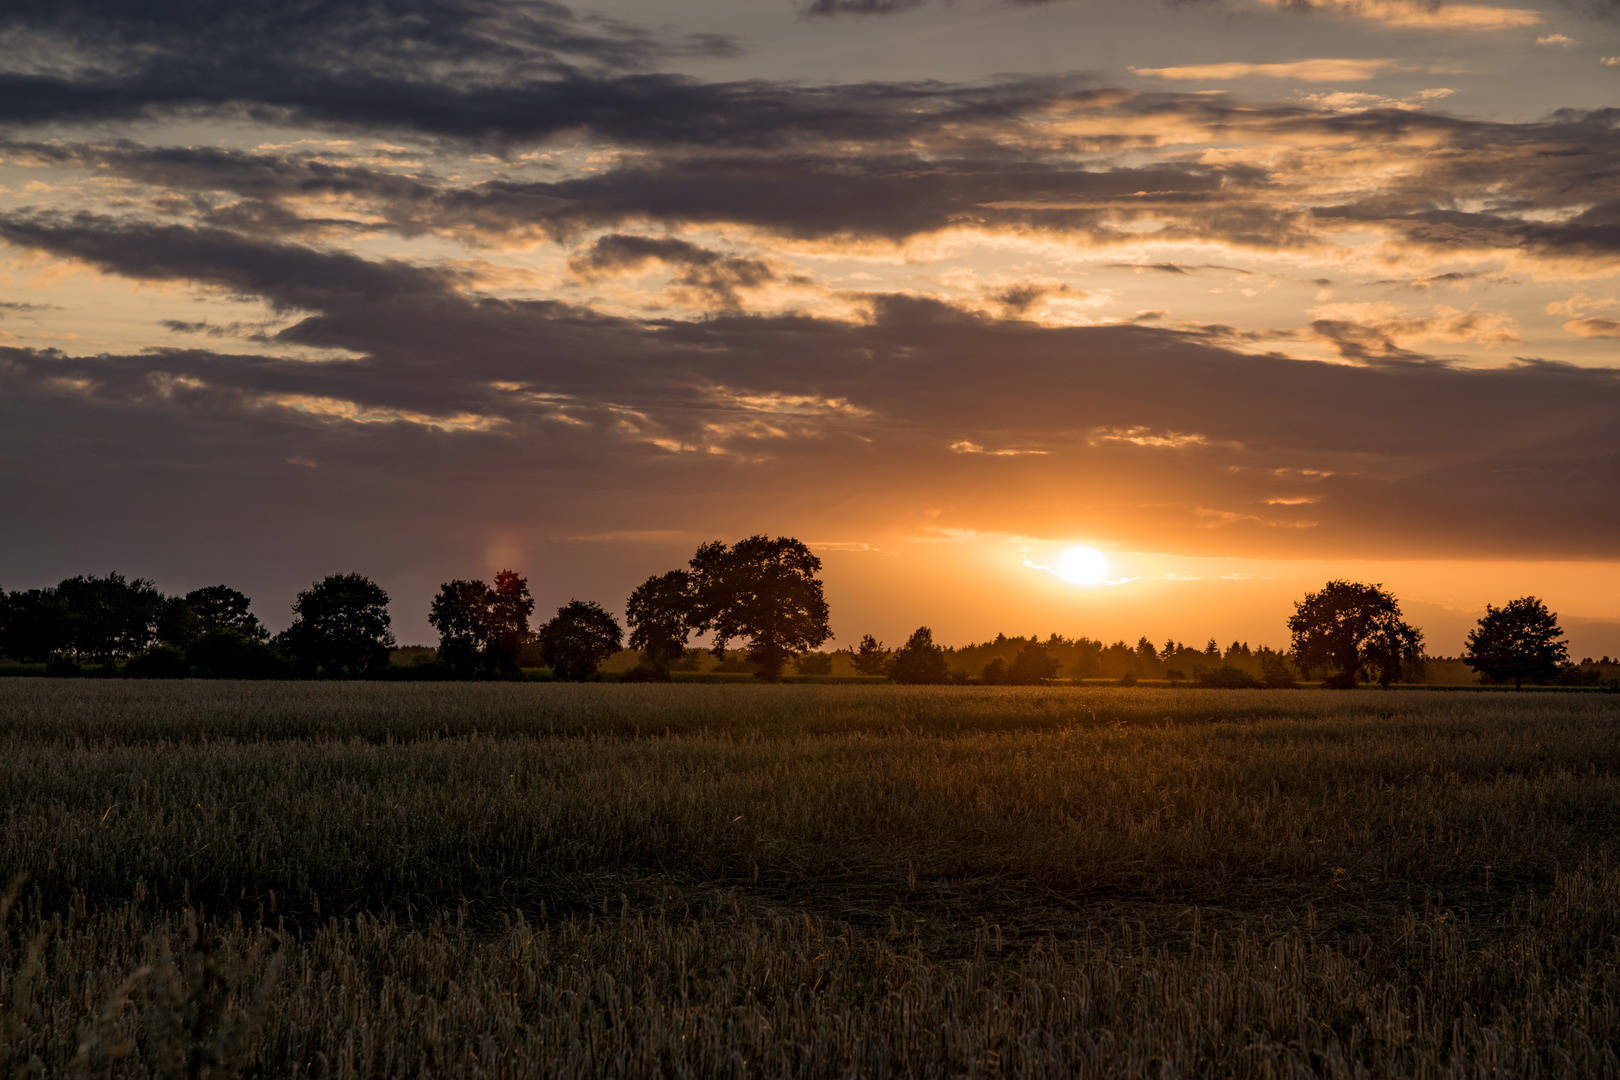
column 869, row 657
column 578, row 638
column 1518, row 642
column 341, row 627
column 919, row 660
column 1353, row 630
column 764, row 591
column 659, row 613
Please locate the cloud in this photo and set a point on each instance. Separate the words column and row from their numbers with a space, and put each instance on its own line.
column 1419, row 14
column 1412, row 14
column 1594, row 327
column 1321, row 70
column 457, row 68
column 1381, row 332
column 718, row 278
column 1556, row 39
column 606, row 413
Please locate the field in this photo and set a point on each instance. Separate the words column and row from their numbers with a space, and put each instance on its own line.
column 368, row 879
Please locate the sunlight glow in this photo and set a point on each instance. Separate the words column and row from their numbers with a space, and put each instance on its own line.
column 1083, row 566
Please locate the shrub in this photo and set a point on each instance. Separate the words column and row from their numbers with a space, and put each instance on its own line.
column 61, row 666
column 160, row 662
column 1228, row 677
column 814, row 663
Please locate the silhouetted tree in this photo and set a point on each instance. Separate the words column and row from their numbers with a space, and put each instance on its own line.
column 1147, row 657
column 220, row 607
column 460, row 612
column 177, row 625
column 109, row 618
column 765, row 591
column 869, row 657
column 994, row 673
column 1276, row 670
column 1034, row 664
column 1353, row 629
column 578, row 638
column 510, row 606
column 341, row 627
column 34, row 625
column 659, row 613
column 1518, row 642
column 919, row 660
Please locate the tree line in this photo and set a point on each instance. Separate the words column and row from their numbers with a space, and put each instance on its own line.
column 763, row 592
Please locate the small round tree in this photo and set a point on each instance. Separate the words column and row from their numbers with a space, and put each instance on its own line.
column 1517, row 642
column 578, row 638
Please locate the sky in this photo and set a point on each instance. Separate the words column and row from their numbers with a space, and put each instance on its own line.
column 1243, row 295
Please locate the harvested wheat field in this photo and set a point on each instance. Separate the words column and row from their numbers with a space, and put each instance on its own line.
column 358, row 880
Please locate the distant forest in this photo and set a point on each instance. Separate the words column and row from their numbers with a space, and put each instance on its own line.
column 763, row 593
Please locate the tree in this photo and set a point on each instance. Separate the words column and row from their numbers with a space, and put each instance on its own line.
column 659, row 613
column 460, row 613
column 1034, row 664
column 1276, row 670
column 1517, row 642
column 109, row 618
column 1352, row 629
column 869, row 657
column 341, row 627
column 510, row 606
column 220, row 607
column 177, row 624
column 919, row 660
column 578, row 638
column 765, row 591
column 35, row 625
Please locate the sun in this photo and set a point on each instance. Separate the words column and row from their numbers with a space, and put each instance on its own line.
column 1083, row 566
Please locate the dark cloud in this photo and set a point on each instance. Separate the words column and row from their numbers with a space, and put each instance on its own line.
column 715, row 277
column 1399, row 457
column 458, row 68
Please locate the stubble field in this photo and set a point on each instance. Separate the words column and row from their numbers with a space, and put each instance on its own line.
column 360, row 879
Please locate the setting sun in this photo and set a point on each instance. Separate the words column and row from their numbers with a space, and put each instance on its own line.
column 1083, row 566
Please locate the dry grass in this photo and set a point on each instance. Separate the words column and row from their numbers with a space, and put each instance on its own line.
column 431, row 879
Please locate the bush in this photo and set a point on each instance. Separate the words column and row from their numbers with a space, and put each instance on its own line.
column 1228, row 677
column 1277, row 671
column 230, row 653
column 995, row 673
column 61, row 666
column 160, row 662
column 814, row 663
column 1128, row 679
column 645, row 673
